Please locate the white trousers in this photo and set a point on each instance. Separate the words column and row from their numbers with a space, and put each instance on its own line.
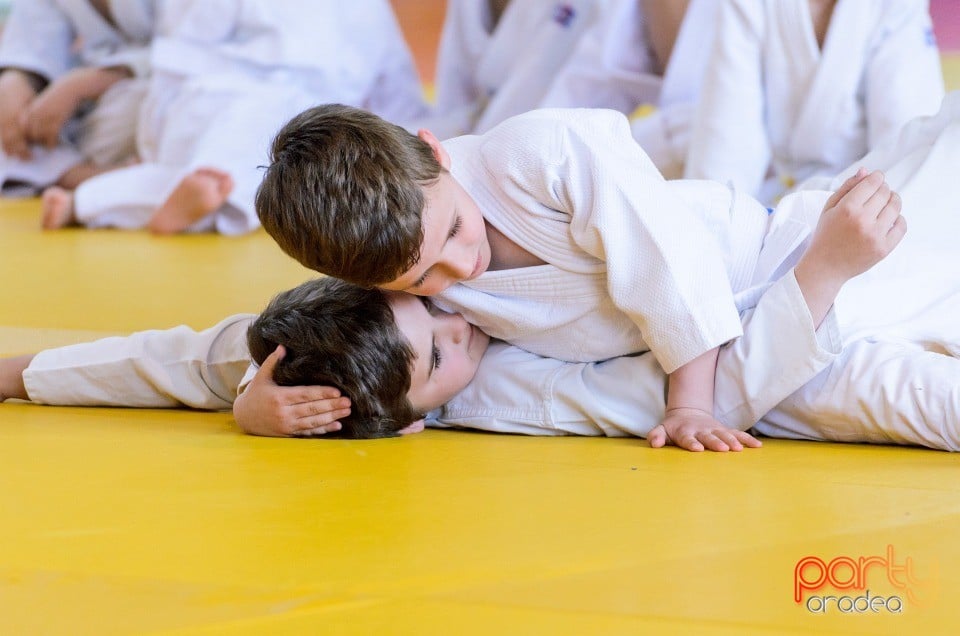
column 877, row 391
column 225, row 123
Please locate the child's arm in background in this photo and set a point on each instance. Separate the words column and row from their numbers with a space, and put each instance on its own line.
column 17, row 89
column 45, row 116
column 268, row 409
column 36, row 48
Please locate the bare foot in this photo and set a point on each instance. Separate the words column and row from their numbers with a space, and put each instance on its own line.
column 57, row 205
column 197, row 195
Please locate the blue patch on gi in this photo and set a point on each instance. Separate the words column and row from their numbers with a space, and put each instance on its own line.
column 931, row 37
column 564, row 14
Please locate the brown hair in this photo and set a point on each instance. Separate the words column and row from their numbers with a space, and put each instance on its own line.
column 338, row 334
column 343, row 193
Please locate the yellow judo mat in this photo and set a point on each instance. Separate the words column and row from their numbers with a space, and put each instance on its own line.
column 173, row 522
column 118, row 521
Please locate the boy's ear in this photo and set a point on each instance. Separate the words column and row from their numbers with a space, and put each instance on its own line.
column 415, row 427
column 438, row 150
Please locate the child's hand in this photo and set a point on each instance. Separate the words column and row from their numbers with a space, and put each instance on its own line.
column 271, row 410
column 696, row 430
column 859, row 226
column 16, row 93
column 45, row 116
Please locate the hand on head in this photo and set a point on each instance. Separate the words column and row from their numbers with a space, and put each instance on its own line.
column 268, row 409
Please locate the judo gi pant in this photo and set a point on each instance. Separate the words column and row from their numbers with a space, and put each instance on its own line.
column 881, row 391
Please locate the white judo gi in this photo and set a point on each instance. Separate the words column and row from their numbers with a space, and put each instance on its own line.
column 776, row 110
column 633, row 262
column 883, row 367
column 227, row 75
column 613, row 67
column 485, row 74
column 52, row 37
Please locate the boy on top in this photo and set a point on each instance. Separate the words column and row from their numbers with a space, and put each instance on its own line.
column 555, row 233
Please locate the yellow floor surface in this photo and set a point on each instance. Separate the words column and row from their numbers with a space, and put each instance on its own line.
column 172, row 522
column 120, row 521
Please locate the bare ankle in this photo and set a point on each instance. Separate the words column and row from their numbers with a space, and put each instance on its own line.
column 11, row 377
column 57, row 207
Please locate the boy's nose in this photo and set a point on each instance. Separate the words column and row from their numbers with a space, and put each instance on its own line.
column 462, row 264
column 458, row 328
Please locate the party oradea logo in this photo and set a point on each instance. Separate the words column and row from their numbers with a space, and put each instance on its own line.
column 887, row 584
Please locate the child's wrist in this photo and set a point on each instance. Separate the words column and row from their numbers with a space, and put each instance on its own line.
column 678, row 410
column 813, row 277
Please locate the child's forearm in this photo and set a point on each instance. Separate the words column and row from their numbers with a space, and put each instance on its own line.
column 819, row 287
column 691, row 386
column 860, row 224
column 28, row 78
column 98, row 80
column 11, row 377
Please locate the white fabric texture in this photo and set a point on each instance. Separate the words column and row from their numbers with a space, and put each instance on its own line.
column 776, row 110
column 613, row 67
column 575, row 190
column 485, row 74
column 149, row 369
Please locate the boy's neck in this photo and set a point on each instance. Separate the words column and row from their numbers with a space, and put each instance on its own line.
column 497, row 8
column 505, row 254
column 103, row 8
column 821, row 11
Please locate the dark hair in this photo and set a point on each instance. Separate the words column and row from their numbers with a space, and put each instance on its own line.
column 338, row 334
column 343, row 193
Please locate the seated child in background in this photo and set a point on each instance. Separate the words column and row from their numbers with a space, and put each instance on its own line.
column 497, row 58
column 645, row 57
column 72, row 75
column 800, row 89
column 226, row 75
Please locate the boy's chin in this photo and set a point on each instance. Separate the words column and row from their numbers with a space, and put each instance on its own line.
column 410, row 429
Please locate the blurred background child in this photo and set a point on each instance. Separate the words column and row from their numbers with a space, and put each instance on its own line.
column 646, row 57
column 797, row 89
column 70, row 88
column 498, row 58
column 226, row 75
